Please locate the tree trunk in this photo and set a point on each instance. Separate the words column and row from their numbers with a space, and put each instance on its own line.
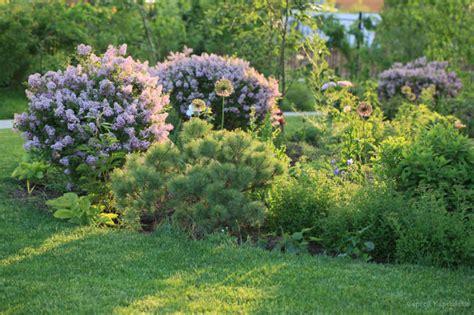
column 148, row 32
column 282, row 70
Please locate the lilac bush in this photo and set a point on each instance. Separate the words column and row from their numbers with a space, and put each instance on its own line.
column 102, row 108
column 188, row 77
column 418, row 75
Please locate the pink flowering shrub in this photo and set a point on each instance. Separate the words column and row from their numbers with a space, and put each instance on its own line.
column 188, row 77
column 85, row 118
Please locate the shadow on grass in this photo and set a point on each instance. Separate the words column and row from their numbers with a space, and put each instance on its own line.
column 91, row 270
column 88, row 270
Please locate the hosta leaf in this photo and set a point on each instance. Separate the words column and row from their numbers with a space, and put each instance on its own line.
column 68, row 200
column 64, row 214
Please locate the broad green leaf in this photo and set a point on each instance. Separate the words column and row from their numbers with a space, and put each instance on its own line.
column 64, row 214
column 68, row 200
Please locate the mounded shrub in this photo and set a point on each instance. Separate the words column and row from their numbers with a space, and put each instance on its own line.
column 188, row 77
column 85, row 119
column 439, row 159
column 420, row 230
column 302, row 200
column 419, row 75
column 428, row 234
column 369, row 216
column 208, row 182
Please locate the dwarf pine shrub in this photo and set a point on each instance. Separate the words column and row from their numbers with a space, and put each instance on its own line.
column 209, row 181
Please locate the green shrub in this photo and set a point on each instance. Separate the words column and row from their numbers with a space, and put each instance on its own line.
column 302, row 200
column 210, row 181
column 412, row 120
column 140, row 188
column 428, row 234
column 440, row 159
column 368, row 216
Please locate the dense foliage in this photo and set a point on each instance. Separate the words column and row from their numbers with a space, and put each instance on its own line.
column 189, row 77
column 439, row 159
column 208, row 182
column 440, row 30
column 302, row 199
column 85, row 119
column 39, row 36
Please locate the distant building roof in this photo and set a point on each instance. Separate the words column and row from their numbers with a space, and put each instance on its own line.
column 363, row 5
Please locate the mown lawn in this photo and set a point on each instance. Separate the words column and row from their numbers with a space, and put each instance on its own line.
column 12, row 101
column 48, row 266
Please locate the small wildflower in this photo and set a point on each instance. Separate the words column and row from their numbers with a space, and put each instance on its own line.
column 411, row 97
column 223, row 88
column 328, row 85
column 199, row 105
column 350, row 162
column 364, row 110
column 190, row 111
column 344, row 83
column 406, row 90
column 333, row 161
column 300, row 57
column 347, row 109
column 336, row 171
column 459, row 125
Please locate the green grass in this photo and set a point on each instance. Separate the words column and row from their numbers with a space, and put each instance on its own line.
column 12, row 101
column 49, row 266
column 293, row 123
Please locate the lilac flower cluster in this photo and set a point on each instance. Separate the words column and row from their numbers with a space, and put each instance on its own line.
column 419, row 75
column 104, row 104
column 187, row 77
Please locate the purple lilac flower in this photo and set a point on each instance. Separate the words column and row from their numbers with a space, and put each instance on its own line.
column 187, row 77
column 67, row 106
column 51, row 85
column 64, row 161
column 106, row 87
column 350, row 162
column 91, row 160
column 419, row 75
column 336, row 171
column 122, row 50
column 84, row 49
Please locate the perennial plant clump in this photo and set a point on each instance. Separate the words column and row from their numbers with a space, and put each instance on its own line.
column 188, row 77
column 417, row 76
column 85, row 118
